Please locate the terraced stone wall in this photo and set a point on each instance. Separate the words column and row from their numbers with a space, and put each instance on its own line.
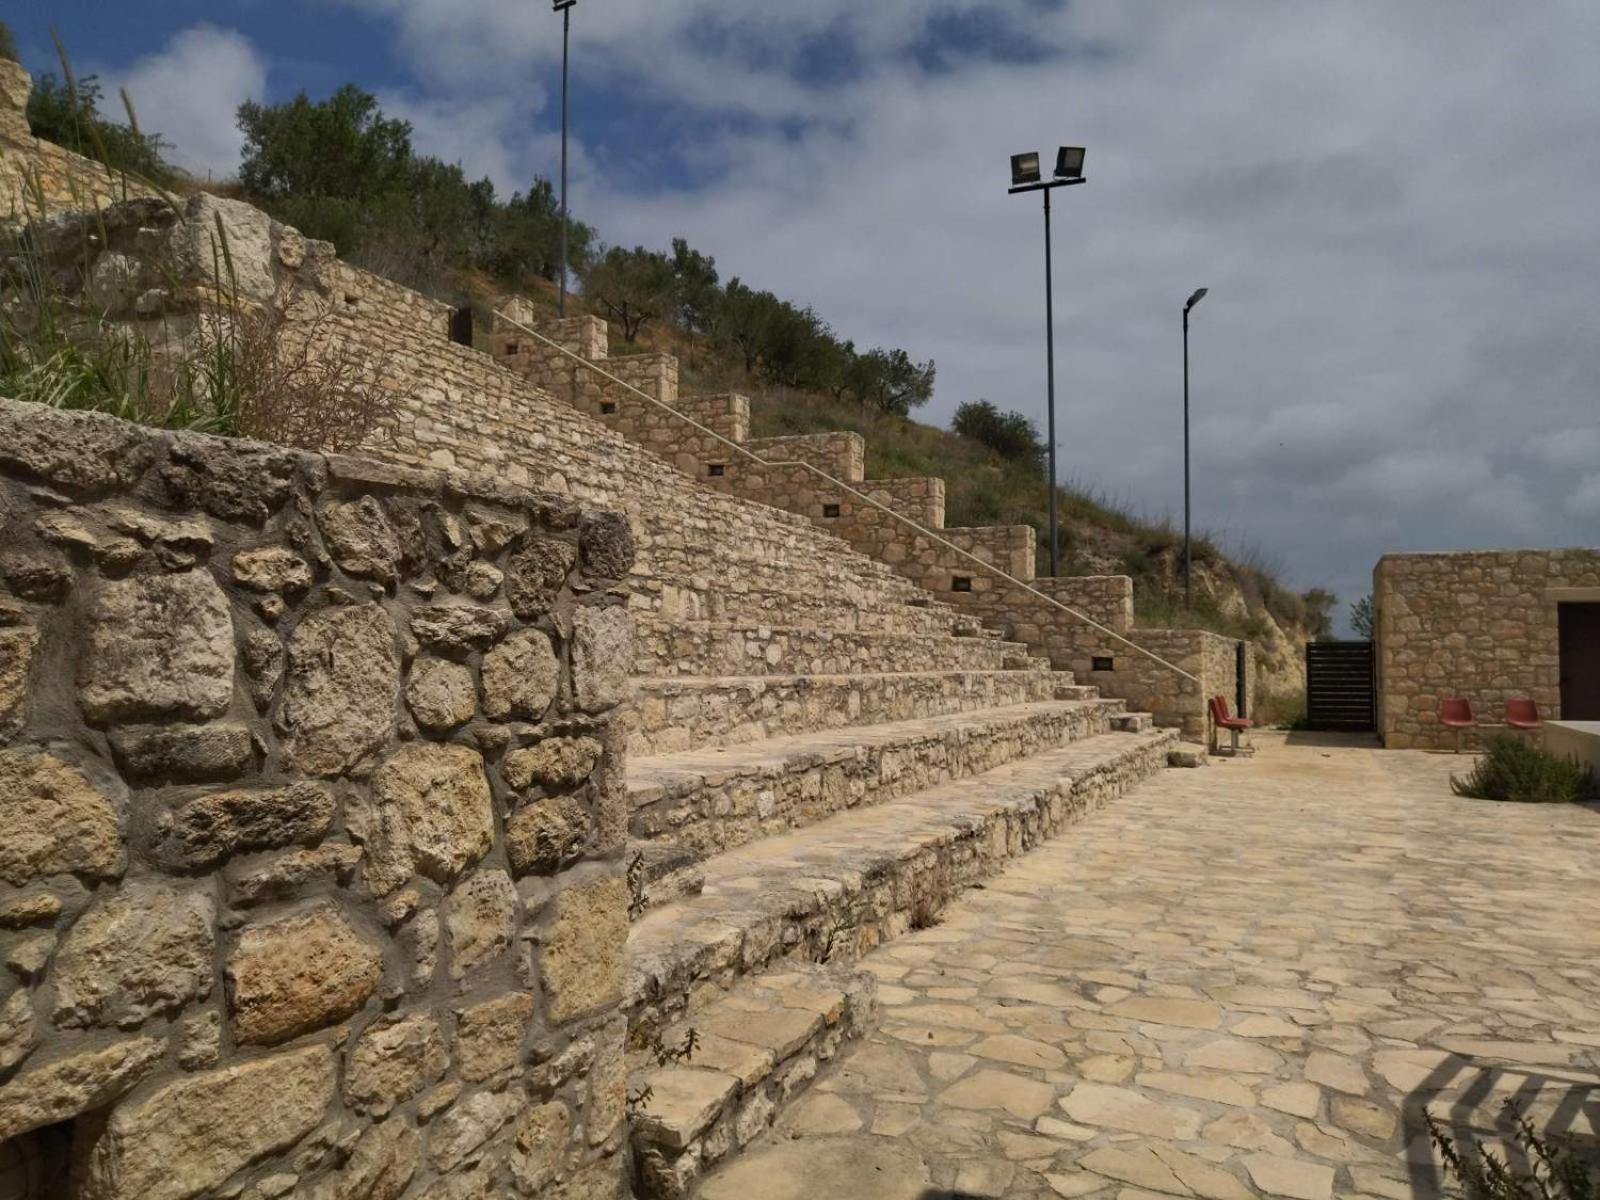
column 310, row 871
column 1477, row 624
column 32, row 170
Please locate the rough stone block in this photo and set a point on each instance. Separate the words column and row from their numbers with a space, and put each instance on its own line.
column 157, row 646
column 338, row 708
column 539, row 1146
column 75, row 1084
column 361, row 539
column 481, row 918
column 392, row 1061
column 441, row 694
column 583, row 960
column 520, row 677
column 182, row 753
column 56, row 821
column 143, row 950
column 468, row 1125
column 535, row 575
column 16, row 666
column 543, row 836
column 188, row 1137
column 299, row 973
column 489, row 1035
column 602, row 657
column 208, row 829
column 432, row 813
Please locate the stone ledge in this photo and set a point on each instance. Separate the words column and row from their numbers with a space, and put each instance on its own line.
column 838, row 888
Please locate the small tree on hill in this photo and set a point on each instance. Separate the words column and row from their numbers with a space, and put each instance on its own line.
column 1009, row 434
column 68, row 114
column 633, row 286
column 889, row 381
column 1361, row 618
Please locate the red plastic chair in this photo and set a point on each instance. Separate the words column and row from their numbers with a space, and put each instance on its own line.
column 1523, row 714
column 1234, row 725
column 1455, row 713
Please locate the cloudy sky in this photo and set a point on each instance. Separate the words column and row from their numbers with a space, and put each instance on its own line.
column 1396, row 208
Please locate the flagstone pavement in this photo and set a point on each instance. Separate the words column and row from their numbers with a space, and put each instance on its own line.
column 1244, row 980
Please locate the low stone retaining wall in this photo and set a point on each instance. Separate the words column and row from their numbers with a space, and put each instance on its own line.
column 310, row 872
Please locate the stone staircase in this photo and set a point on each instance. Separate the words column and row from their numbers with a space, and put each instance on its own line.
column 823, row 752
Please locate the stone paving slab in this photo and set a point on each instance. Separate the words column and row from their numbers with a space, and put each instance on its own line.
column 1240, row 981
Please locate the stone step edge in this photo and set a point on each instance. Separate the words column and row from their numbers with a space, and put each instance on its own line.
column 717, row 625
column 814, row 920
column 650, row 776
column 667, row 870
column 706, row 683
column 757, row 1051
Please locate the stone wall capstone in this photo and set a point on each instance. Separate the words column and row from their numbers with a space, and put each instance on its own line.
column 310, row 871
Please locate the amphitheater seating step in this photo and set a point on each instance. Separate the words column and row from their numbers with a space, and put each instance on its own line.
column 700, row 1096
column 676, row 712
column 695, row 803
column 829, row 891
column 672, row 648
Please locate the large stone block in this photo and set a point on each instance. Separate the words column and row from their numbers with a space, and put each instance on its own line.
column 208, row 829
column 539, row 1147
column 79, row 450
column 489, row 1035
column 187, row 1138
column 606, row 543
column 79, row 1083
column 182, row 752
column 392, row 1061
column 602, row 657
column 535, row 574
column 583, row 959
column 468, row 1125
column 338, row 708
column 543, row 836
column 441, row 694
column 481, row 918
column 56, row 821
column 432, row 812
column 559, row 762
column 144, row 950
column 520, row 677
column 300, row 973
column 157, row 646
column 361, row 539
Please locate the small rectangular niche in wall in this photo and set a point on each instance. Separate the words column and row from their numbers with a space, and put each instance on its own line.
column 716, row 469
column 961, row 583
column 607, row 407
column 511, row 348
column 1102, row 663
column 830, row 510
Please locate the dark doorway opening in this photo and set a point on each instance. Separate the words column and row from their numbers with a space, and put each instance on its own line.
column 1579, row 637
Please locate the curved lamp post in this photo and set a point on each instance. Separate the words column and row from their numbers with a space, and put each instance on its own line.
column 564, row 7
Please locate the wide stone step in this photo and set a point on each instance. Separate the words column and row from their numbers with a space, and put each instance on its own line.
column 693, row 804
column 704, row 1087
column 677, row 713
column 833, row 890
column 736, row 600
column 723, row 648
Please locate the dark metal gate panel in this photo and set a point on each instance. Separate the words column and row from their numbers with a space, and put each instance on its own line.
column 1339, row 691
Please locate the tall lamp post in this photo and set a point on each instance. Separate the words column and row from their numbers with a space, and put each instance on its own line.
column 564, row 7
column 1188, row 592
column 1026, row 176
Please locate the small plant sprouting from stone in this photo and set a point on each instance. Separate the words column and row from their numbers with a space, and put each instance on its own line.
column 830, row 939
column 638, row 1101
column 636, row 897
column 682, row 1053
column 1556, row 1173
column 925, row 915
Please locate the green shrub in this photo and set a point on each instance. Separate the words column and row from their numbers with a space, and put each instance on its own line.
column 1513, row 769
column 1555, row 1172
column 8, row 44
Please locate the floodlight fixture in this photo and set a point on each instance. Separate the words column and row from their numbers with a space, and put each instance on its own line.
column 1199, row 295
column 1069, row 162
column 1025, row 168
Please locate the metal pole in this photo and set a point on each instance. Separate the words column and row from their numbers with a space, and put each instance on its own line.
column 1187, row 593
column 1050, row 358
column 566, row 32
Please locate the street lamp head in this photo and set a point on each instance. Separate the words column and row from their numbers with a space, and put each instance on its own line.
column 1069, row 162
column 1025, row 168
column 1198, row 296
column 561, row 5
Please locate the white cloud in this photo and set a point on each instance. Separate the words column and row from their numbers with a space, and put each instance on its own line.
column 1398, row 347
column 189, row 91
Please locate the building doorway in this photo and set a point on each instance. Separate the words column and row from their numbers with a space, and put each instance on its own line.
column 1579, row 626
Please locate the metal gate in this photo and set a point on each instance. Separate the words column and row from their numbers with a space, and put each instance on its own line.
column 1339, row 691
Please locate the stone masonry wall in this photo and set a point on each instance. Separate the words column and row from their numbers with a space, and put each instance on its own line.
column 310, row 878
column 1477, row 624
column 32, row 170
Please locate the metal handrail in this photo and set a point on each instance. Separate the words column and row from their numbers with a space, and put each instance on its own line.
column 862, row 496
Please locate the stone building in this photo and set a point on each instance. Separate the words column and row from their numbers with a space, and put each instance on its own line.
column 1486, row 625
